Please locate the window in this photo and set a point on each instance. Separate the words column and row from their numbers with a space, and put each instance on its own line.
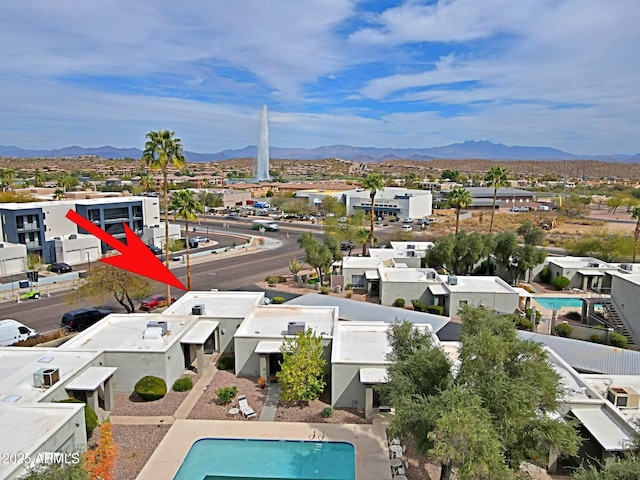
column 462, row 303
column 357, row 281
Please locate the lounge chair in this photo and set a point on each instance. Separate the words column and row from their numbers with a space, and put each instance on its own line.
column 245, row 409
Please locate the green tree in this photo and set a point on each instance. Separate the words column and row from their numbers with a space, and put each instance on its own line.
column 451, row 175
column 320, row 255
column 372, row 182
column 516, row 259
column 39, row 179
column 531, row 234
column 635, row 214
column 302, row 374
column 621, row 468
column 576, row 205
column 67, row 182
column 7, row 176
column 58, row 194
column 459, row 198
column 104, row 281
column 333, row 205
column 602, row 244
column 348, row 231
column 33, row 261
column 147, row 183
column 496, row 177
column 614, row 202
column 186, row 207
column 161, row 151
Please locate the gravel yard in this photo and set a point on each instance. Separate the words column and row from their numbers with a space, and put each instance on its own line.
column 132, row 405
column 208, row 408
column 137, row 443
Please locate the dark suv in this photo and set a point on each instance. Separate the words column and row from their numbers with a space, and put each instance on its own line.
column 78, row 320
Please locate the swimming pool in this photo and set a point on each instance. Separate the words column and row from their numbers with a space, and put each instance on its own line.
column 233, row 459
column 551, row 303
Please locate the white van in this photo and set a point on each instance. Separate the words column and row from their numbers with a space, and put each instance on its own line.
column 12, row 332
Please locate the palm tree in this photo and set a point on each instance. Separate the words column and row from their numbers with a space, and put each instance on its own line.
column 635, row 214
column 497, row 177
column 186, row 207
column 67, row 181
column 372, row 182
column 6, row 178
column 147, row 183
column 39, row 179
column 459, row 198
column 161, row 151
column 58, row 194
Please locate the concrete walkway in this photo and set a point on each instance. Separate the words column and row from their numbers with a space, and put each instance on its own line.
column 270, row 406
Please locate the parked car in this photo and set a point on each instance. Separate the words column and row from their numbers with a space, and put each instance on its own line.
column 30, row 294
column 346, row 245
column 154, row 301
column 407, row 220
column 199, row 239
column 407, row 228
column 78, row 320
column 12, row 332
column 60, row 268
column 155, row 250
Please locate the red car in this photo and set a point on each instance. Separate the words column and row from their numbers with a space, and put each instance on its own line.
column 154, row 301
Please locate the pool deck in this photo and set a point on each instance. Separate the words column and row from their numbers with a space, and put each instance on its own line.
column 370, row 441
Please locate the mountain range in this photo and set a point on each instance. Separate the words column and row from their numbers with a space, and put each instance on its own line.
column 481, row 150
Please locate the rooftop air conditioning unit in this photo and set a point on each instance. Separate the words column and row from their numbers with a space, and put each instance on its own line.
column 411, row 247
column 57, row 238
column 295, row 327
column 626, row 266
column 625, row 397
column 453, row 280
column 73, row 236
column 594, row 264
column 46, row 377
column 198, row 310
column 158, row 324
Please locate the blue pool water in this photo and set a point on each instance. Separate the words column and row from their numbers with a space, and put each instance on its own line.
column 551, row 303
column 235, row 459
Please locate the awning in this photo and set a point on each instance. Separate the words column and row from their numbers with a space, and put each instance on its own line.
column 371, row 275
column 370, row 376
column 200, row 332
column 438, row 290
column 591, row 273
column 264, row 348
column 522, row 292
column 606, row 429
column 91, row 379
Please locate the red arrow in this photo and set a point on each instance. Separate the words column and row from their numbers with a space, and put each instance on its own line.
column 134, row 257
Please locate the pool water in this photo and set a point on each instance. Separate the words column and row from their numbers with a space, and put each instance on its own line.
column 551, row 303
column 234, row 459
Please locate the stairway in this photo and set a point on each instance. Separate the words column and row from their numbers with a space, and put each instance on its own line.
column 614, row 319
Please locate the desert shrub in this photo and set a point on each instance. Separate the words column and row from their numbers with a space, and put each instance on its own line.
column 618, row 340
column 348, row 294
column 327, row 412
column 538, row 315
column 545, row 275
column 349, row 286
column 325, row 290
column 435, row 309
column 564, row 330
column 524, row 324
column 183, row 384
column 596, row 339
column 313, row 281
column 90, row 417
column 575, row 316
column 226, row 394
column 150, row 388
column 418, row 306
column 561, row 282
column 30, row 342
column 399, row 302
column 225, row 363
column 275, row 279
column 277, row 300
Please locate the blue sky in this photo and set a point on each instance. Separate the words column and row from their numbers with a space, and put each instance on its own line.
column 556, row 73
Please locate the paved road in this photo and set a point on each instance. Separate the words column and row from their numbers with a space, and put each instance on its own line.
column 222, row 272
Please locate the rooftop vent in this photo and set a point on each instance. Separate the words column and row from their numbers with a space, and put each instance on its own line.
column 624, row 397
column 593, row 265
column 158, row 324
column 453, row 280
column 198, row 310
column 153, row 333
column 295, row 327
